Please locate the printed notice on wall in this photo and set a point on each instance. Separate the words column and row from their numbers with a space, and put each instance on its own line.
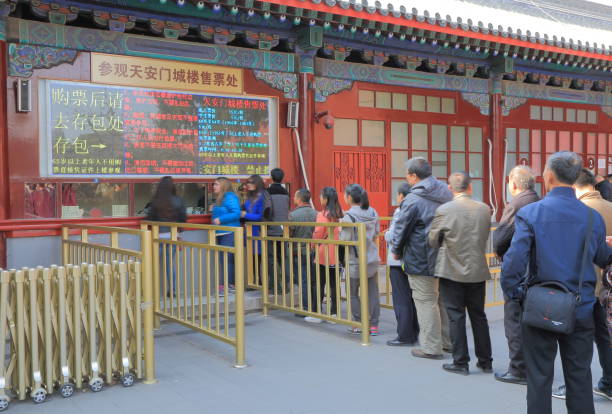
column 103, row 130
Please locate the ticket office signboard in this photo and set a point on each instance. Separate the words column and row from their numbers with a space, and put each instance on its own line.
column 104, row 130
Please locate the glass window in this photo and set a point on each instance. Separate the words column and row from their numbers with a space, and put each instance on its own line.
column 383, row 100
column 591, row 143
column 536, row 164
column 433, row 104
column 457, row 162
column 439, row 164
column 39, row 200
column 373, row 133
column 422, row 154
column 511, row 139
column 400, row 101
column 457, row 138
column 418, row 103
column 577, row 146
column 448, row 105
column 395, row 183
column 592, row 117
column 524, row 140
column 564, row 141
column 477, row 188
column 601, row 143
column 534, row 112
column 398, row 160
column 546, row 113
column 536, row 140
column 570, row 115
column 551, row 141
column 419, row 137
column 510, row 162
column 345, row 132
column 581, row 116
column 438, row 137
column 475, row 135
column 399, row 135
column 366, row 98
column 558, row 114
column 94, row 200
column 476, row 165
column 194, row 196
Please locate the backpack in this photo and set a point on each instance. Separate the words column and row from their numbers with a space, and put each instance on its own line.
column 268, row 207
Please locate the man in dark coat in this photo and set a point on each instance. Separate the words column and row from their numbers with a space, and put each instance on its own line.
column 521, row 182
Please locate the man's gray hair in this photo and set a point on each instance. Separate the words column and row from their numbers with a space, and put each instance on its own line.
column 418, row 166
column 459, row 181
column 566, row 166
column 523, row 177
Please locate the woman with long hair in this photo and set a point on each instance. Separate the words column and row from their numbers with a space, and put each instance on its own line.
column 326, row 260
column 167, row 207
column 361, row 212
column 253, row 210
column 225, row 212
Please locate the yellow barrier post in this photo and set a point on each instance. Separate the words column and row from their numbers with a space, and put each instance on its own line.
column 239, row 284
column 5, row 279
column 363, row 285
column 21, row 348
column 65, row 246
column 147, row 284
column 263, row 248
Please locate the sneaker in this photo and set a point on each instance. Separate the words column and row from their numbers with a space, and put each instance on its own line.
column 310, row 319
column 221, row 291
column 354, row 331
column 559, row 393
column 232, row 289
column 374, row 331
column 603, row 393
column 333, row 315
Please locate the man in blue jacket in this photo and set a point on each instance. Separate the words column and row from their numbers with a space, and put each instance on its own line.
column 549, row 236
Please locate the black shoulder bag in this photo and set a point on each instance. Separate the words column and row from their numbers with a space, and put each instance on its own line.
column 550, row 305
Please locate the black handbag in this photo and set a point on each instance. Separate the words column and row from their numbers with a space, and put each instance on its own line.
column 550, row 305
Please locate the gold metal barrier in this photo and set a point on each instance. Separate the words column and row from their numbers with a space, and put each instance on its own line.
column 192, row 282
column 70, row 327
column 78, row 248
column 307, row 272
column 493, row 298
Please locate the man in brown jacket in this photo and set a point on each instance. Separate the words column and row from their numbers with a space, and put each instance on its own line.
column 460, row 230
column 585, row 191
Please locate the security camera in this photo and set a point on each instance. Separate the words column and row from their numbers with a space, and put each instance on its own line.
column 326, row 118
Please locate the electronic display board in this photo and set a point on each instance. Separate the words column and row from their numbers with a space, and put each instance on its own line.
column 103, row 130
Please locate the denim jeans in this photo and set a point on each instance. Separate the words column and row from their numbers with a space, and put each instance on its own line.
column 170, row 268
column 226, row 240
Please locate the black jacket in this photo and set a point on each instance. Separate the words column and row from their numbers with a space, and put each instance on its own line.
column 177, row 213
column 502, row 236
column 605, row 189
column 415, row 217
column 279, row 209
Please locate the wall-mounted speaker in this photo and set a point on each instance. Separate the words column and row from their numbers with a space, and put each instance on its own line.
column 292, row 114
column 24, row 95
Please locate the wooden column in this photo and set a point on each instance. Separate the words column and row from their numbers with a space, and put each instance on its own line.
column 497, row 138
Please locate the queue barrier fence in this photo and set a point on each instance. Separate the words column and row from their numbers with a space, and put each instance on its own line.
column 69, row 327
column 298, row 274
column 79, row 247
column 192, row 282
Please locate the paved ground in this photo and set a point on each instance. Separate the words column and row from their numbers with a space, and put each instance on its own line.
column 299, row 368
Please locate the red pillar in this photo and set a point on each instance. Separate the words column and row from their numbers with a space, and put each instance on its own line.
column 497, row 138
column 4, row 170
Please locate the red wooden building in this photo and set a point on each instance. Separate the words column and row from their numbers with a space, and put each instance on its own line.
column 375, row 85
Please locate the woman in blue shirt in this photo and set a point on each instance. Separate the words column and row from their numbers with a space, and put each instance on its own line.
column 253, row 210
column 225, row 212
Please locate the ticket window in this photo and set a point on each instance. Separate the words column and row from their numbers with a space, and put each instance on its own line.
column 194, row 195
column 83, row 200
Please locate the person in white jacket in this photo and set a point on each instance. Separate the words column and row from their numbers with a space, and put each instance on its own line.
column 403, row 304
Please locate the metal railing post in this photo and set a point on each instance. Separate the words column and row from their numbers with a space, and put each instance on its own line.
column 65, row 246
column 147, row 305
column 263, row 277
column 239, row 284
column 363, row 285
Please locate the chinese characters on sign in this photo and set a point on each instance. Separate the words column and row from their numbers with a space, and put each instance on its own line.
column 164, row 74
column 107, row 130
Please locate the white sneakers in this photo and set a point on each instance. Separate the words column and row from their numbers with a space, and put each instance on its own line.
column 310, row 319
